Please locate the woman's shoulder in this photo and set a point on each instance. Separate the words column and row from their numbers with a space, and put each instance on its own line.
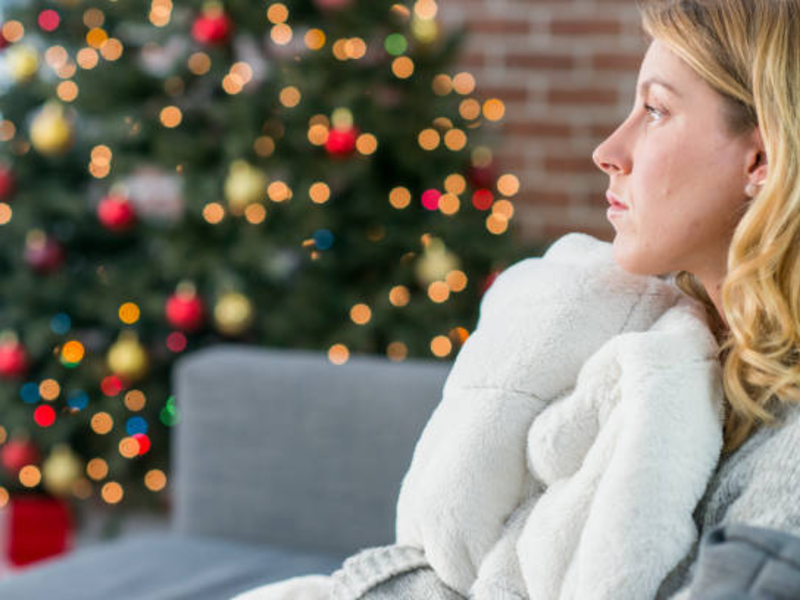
column 759, row 483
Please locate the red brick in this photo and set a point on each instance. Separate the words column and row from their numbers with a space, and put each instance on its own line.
column 535, row 128
column 539, row 60
column 506, row 94
column 509, row 161
column 589, row 95
column 585, row 26
column 483, row 24
column 472, row 59
column 616, row 62
column 596, row 200
column 569, row 164
column 533, row 196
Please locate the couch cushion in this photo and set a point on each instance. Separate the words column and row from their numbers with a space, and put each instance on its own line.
column 162, row 566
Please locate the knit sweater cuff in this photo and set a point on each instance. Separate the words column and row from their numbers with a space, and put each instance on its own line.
column 373, row 566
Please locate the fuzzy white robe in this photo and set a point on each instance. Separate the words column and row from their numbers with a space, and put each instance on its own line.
column 577, row 431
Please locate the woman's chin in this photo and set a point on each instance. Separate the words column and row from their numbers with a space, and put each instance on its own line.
column 627, row 259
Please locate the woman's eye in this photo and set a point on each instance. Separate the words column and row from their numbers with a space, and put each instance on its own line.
column 653, row 109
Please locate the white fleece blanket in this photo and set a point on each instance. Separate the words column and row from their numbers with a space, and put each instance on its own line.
column 625, row 459
column 587, row 405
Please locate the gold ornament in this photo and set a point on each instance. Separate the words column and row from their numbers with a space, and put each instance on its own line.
column 425, row 30
column 127, row 357
column 436, row 262
column 51, row 132
column 244, row 185
column 61, row 469
column 233, row 313
column 23, row 63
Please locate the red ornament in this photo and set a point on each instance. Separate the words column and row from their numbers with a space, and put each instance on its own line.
column 333, row 5
column 488, row 281
column 39, row 527
column 212, row 27
column 481, row 177
column 144, row 442
column 112, row 385
column 49, row 20
column 44, row 415
column 44, row 254
column 3, row 41
column 116, row 213
column 17, row 453
column 185, row 310
column 482, row 199
column 8, row 183
column 341, row 142
column 13, row 360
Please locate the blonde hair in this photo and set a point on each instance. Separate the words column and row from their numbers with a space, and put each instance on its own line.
column 749, row 52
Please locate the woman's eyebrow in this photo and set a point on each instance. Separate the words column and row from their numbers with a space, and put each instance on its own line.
column 645, row 85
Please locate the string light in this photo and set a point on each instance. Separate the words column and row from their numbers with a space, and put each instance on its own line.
column 441, row 346
column 277, row 13
column 319, row 192
column 360, row 314
column 399, row 296
column 135, row 400
column 97, row 469
column 155, row 480
column 494, row 109
column 449, row 204
column 102, row 423
column 402, row 67
column 30, row 476
column 281, row 34
column 7, row 130
column 5, row 213
column 400, row 198
column 112, row 492
column 397, row 351
column 314, row 39
column 508, row 184
column 129, row 313
column 464, row 83
column 171, row 116
column 49, row 389
column 199, row 63
column 338, row 354
column 213, row 212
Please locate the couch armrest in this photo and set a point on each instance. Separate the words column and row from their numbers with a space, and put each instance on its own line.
column 283, row 446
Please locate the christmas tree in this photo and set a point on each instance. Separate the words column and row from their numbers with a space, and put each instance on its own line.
column 307, row 174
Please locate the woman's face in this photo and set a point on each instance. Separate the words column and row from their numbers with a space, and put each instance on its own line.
column 681, row 175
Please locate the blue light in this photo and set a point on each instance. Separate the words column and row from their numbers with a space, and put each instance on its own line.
column 323, row 238
column 30, row 393
column 78, row 399
column 136, row 425
column 60, row 323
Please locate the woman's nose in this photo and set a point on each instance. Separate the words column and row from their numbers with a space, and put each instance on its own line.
column 608, row 155
column 600, row 159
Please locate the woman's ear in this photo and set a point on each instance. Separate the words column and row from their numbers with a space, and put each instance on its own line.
column 758, row 165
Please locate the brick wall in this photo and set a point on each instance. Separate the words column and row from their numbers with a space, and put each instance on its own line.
column 566, row 71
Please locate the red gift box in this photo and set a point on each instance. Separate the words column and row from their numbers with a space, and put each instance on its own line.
column 37, row 527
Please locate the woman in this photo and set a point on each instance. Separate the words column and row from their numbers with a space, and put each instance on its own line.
column 704, row 182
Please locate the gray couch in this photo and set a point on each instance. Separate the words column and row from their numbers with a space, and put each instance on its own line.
column 282, row 464
column 285, row 464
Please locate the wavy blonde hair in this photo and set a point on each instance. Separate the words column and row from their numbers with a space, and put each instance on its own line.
column 749, row 52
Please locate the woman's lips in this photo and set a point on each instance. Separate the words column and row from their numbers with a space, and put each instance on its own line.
column 617, row 208
column 615, row 201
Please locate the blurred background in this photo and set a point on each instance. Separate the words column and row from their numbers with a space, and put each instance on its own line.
column 347, row 176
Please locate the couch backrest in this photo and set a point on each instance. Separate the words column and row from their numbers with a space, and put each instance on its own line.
column 283, row 446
